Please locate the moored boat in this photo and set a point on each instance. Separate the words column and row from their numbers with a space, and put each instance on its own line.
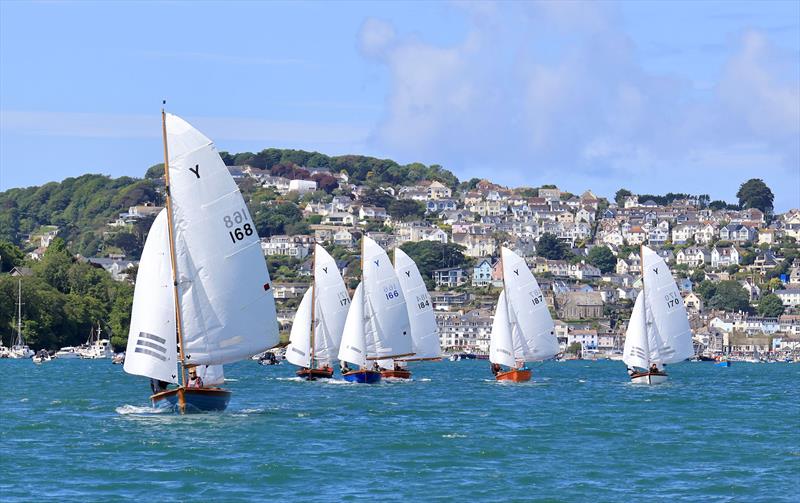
column 67, row 353
column 203, row 295
column 41, row 356
column 19, row 349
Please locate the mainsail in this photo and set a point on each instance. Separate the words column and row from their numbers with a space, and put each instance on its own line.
column 227, row 306
column 151, row 350
column 527, row 310
column 424, row 331
column 672, row 335
column 354, row 345
column 388, row 331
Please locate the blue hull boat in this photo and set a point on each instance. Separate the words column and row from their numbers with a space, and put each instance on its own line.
column 195, row 400
column 363, row 376
column 723, row 364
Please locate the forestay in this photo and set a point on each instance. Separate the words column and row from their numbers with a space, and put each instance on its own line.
column 537, row 340
column 226, row 302
column 152, row 343
column 298, row 351
column 422, row 321
column 501, row 346
column 332, row 303
column 354, row 346
column 636, row 352
column 386, row 306
column 668, row 312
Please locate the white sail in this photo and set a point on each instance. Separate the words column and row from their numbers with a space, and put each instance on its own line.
column 227, row 306
column 424, row 330
column 212, row 375
column 389, row 330
column 668, row 312
column 354, row 345
column 537, row 338
column 298, row 351
column 636, row 352
column 332, row 304
column 152, row 342
column 501, row 346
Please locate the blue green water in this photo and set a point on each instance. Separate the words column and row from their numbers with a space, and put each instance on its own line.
column 81, row 431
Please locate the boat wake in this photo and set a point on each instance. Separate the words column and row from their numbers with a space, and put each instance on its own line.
column 294, row 379
column 126, row 410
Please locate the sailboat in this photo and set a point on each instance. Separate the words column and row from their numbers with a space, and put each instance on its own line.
column 95, row 346
column 19, row 349
column 318, row 323
column 658, row 332
column 522, row 329
column 424, row 331
column 203, row 295
column 377, row 325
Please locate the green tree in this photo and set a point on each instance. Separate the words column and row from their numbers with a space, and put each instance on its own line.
column 406, row 209
column 551, row 248
column 730, row 296
column 754, row 193
column 770, row 306
column 431, row 255
column 10, row 256
column 602, row 258
column 155, row 171
column 620, row 196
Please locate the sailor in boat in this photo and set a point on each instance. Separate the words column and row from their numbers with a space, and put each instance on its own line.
column 158, row 386
column 195, row 381
column 344, row 367
column 496, row 368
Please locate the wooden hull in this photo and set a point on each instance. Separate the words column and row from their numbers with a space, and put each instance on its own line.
column 514, row 375
column 323, row 373
column 396, row 374
column 363, row 376
column 649, row 378
column 195, row 399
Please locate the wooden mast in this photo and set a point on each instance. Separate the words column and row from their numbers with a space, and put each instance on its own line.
column 175, row 292
column 313, row 309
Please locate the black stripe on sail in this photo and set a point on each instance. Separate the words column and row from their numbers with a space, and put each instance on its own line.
column 150, row 353
column 148, row 344
column 145, row 335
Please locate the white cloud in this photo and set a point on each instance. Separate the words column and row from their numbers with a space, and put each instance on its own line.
column 556, row 89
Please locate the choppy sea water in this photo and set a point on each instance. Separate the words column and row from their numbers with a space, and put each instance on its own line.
column 82, row 431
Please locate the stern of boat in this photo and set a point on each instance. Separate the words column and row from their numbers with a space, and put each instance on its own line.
column 363, row 376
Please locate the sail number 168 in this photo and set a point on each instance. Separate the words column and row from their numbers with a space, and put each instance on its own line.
column 233, row 221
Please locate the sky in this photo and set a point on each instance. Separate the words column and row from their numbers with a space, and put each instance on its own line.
column 654, row 97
